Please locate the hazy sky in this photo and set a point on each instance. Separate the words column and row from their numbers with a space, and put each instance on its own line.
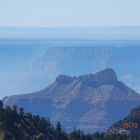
column 56, row 13
column 46, row 13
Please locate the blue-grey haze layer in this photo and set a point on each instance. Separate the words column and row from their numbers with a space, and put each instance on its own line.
column 29, row 65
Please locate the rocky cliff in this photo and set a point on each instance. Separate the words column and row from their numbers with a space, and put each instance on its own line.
column 90, row 102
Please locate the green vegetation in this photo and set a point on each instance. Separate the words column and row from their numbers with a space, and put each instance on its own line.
column 15, row 124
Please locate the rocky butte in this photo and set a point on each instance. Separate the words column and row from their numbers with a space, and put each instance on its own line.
column 91, row 102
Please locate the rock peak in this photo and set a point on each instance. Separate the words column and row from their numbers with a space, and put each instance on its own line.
column 106, row 75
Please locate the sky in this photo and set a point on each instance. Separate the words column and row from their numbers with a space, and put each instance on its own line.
column 83, row 33
column 25, row 68
column 55, row 13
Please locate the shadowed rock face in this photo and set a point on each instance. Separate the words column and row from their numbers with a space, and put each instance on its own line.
column 91, row 102
column 103, row 77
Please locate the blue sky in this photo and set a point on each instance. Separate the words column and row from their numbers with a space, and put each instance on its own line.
column 50, row 13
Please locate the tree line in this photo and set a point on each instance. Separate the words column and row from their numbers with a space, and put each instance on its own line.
column 16, row 124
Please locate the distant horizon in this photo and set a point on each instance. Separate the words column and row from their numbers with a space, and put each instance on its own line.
column 79, row 26
column 72, row 32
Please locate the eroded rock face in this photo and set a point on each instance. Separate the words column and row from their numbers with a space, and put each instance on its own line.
column 106, row 76
column 90, row 102
column 63, row 79
column 103, row 77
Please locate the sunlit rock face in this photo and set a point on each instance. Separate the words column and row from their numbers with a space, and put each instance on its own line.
column 91, row 102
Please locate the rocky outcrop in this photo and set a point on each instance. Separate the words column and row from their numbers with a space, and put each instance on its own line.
column 90, row 102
